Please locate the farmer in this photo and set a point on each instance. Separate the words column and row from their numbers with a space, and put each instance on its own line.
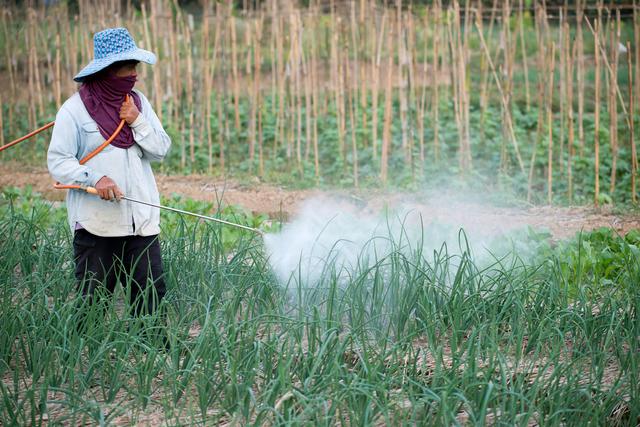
column 113, row 239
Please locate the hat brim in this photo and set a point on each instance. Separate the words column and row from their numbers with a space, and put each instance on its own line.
column 100, row 64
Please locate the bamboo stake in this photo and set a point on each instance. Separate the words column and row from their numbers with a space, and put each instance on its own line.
column 234, row 66
column 248, row 37
column 339, row 99
column 580, row 74
column 147, row 42
column 41, row 74
column 596, row 137
column 613, row 125
column 375, row 85
column 255, row 98
column 435, row 81
column 523, row 49
column 339, row 81
column 353, row 81
column 566, row 80
column 9, row 52
column 607, row 34
column 402, row 82
column 257, row 70
column 77, row 55
column 364, row 82
column 221, row 132
column 274, row 61
column 462, row 73
column 632, row 141
column 354, row 144
column 84, row 34
column 422, row 106
column 569, row 88
column 306, row 73
column 260, row 143
column 295, row 60
column 483, row 67
column 467, row 29
column 178, row 108
column 290, row 114
column 607, row 42
column 290, row 122
column 206, row 117
column 174, row 67
column 30, row 73
column 190, row 102
column 158, row 95
column 562, row 59
column 388, row 113
column 453, row 14
column 36, row 66
column 504, row 101
column 610, row 70
column 200, row 66
column 540, row 20
column 636, row 32
column 48, row 71
column 484, row 95
column 224, row 99
column 70, row 54
column 507, row 80
column 412, row 88
column 281, row 94
column 550, row 126
column 57, row 74
column 314, row 94
column 300, row 90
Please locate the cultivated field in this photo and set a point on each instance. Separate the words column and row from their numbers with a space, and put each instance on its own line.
column 414, row 332
column 474, row 257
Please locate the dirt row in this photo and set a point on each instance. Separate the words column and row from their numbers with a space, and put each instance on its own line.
column 280, row 202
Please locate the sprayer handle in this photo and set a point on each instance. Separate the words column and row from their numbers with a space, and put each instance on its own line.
column 90, row 190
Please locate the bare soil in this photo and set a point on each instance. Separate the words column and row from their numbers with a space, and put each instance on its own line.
column 283, row 203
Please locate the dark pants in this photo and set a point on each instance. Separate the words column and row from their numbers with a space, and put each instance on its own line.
column 135, row 261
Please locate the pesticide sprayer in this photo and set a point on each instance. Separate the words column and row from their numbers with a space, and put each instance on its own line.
column 92, row 190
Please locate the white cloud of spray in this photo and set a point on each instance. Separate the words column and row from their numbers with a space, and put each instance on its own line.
column 334, row 238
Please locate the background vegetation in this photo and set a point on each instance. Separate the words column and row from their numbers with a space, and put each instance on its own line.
column 510, row 95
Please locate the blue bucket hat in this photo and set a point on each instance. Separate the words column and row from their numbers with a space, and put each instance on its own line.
column 114, row 45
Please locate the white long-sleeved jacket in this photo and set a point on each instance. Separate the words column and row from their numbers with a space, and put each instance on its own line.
column 75, row 134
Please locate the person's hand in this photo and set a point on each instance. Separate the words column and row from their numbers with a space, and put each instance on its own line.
column 129, row 112
column 108, row 190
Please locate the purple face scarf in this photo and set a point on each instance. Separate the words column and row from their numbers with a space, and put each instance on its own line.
column 103, row 98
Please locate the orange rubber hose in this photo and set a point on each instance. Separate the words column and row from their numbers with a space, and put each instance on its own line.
column 91, row 155
column 95, row 152
column 27, row 136
column 84, row 159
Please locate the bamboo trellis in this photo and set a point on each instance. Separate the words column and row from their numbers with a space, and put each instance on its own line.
column 386, row 74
